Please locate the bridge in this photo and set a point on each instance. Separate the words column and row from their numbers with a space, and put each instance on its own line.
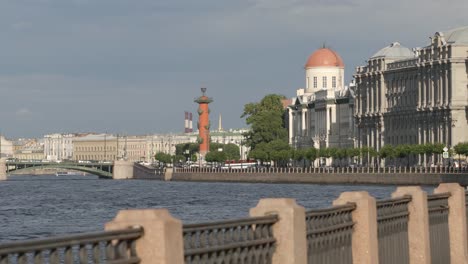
column 102, row 170
column 119, row 169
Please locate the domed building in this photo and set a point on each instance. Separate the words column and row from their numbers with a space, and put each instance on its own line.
column 415, row 96
column 321, row 113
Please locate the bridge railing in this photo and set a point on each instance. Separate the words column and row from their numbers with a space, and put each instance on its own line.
column 329, row 234
column 316, row 170
column 116, row 246
column 411, row 227
column 246, row 240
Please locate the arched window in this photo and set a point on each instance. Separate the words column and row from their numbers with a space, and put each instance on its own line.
column 334, row 82
column 324, row 82
column 315, row 81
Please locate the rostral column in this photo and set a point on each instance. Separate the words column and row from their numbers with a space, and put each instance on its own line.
column 204, row 122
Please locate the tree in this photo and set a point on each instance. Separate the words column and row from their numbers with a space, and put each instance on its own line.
column 299, row 154
column 353, row 153
column 312, row 155
column 163, row 157
column 403, row 151
column 279, row 151
column 387, row 151
column 266, row 121
column 215, row 156
column 461, row 149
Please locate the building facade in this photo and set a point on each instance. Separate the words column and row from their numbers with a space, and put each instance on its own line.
column 415, row 96
column 321, row 115
column 58, row 146
column 6, row 147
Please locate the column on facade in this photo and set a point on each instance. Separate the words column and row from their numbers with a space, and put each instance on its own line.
column 419, row 87
column 367, row 94
column 291, row 129
column 304, row 124
column 446, row 84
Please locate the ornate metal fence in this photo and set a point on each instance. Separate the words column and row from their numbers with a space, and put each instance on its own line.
column 248, row 240
column 100, row 247
column 329, row 235
column 392, row 230
column 438, row 227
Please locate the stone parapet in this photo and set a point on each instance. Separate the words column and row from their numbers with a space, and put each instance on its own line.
column 123, row 170
column 289, row 231
column 3, row 169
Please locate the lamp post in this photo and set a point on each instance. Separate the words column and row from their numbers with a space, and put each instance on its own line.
column 105, row 146
column 220, row 150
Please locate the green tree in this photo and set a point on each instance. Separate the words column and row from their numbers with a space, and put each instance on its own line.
column 266, row 121
column 312, row 155
column 258, row 154
column 387, row 151
column 216, row 156
column 353, row 153
column 163, row 157
column 299, row 155
column 279, row 151
column 403, row 151
column 231, row 150
column 461, row 149
column 179, row 158
column 182, row 148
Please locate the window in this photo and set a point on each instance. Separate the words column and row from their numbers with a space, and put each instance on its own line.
column 315, row 82
column 333, row 82
column 324, row 82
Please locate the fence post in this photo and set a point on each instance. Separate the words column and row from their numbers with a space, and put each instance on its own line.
column 418, row 224
column 289, row 231
column 364, row 240
column 456, row 221
column 161, row 242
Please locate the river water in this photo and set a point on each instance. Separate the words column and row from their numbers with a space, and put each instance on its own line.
column 39, row 206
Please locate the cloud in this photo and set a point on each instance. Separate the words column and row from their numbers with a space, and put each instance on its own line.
column 131, row 65
column 23, row 112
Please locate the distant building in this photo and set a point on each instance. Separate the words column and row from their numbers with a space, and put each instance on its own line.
column 321, row 115
column 143, row 148
column 6, row 147
column 415, row 96
column 58, row 146
column 28, row 149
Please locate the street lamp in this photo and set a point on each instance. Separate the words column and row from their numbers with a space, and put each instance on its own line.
column 187, row 151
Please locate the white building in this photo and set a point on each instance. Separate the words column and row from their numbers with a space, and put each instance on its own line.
column 58, row 146
column 6, row 147
column 415, row 96
column 321, row 115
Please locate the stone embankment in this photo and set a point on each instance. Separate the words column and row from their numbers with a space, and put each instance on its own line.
column 306, row 176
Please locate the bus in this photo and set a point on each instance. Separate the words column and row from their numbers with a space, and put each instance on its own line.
column 238, row 164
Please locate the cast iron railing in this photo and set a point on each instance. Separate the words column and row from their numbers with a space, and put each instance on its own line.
column 329, row 234
column 438, row 227
column 392, row 230
column 248, row 241
column 108, row 247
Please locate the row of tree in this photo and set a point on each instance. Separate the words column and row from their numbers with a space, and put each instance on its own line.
column 281, row 153
column 188, row 151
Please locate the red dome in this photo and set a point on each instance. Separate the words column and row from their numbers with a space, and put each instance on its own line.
column 324, row 57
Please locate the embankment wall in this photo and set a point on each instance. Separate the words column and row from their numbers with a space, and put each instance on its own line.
column 324, row 178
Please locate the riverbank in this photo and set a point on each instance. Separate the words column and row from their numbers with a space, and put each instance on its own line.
column 324, row 178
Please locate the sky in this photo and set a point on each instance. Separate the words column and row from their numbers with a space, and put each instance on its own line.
column 135, row 66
